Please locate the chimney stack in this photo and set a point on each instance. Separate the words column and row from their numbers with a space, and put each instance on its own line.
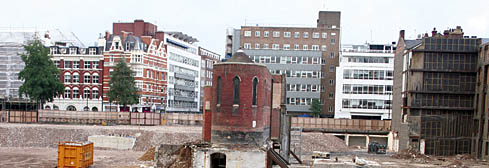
column 433, row 33
column 401, row 34
column 107, row 34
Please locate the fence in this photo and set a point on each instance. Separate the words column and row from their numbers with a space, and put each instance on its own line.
column 22, row 116
column 83, row 117
column 342, row 124
column 181, row 119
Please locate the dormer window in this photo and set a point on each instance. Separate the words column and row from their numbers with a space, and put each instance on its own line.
column 73, row 50
column 53, row 50
column 92, row 51
column 116, row 45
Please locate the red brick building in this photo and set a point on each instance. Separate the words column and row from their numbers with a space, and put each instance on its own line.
column 144, row 51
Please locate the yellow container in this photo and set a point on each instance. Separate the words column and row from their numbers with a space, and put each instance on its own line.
column 75, row 154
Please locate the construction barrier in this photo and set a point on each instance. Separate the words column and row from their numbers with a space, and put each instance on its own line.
column 22, row 116
column 83, row 117
column 145, row 119
column 342, row 124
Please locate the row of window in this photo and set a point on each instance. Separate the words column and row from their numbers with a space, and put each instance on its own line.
column 290, row 59
column 367, row 74
column 451, row 61
column 367, row 104
column 443, row 100
column 367, row 89
column 182, row 70
column 72, row 51
column 181, row 104
column 369, row 59
column 449, row 82
column 209, row 64
column 75, row 93
column 315, row 35
column 182, row 93
column 76, row 64
column 304, row 88
column 76, row 78
column 209, row 54
column 183, row 82
column 149, row 87
column 305, row 47
column 183, row 59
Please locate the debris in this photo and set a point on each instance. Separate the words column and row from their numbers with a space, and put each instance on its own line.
column 312, row 141
column 149, row 155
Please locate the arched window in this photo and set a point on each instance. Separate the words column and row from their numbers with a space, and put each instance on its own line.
column 55, row 107
column 67, row 77
column 219, row 86
column 254, row 94
column 95, row 78
column 95, row 93
column 236, row 82
column 86, row 77
column 71, row 108
column 76, row 78
column 86, row 108
column 94, row 109
column 86, row 93
column 67, row 93
column 47, row 108
column 218, row 160
column 75, row 93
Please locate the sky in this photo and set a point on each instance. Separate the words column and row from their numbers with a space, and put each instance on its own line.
column 374, row 21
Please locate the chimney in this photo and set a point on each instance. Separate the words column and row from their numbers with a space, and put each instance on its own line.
column 401, row 34
column 445, row 33
column 433, row 33
column 107, row 34
column 46, row 35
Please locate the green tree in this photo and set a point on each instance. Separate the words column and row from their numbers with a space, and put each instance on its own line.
column 123, row 89
column 40, row 75
column 315, row 108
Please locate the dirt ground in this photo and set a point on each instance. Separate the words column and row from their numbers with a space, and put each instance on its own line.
column 47, row 157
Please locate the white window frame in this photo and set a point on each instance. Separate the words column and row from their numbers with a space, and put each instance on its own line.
column 315, row 35
column 315, row 47
column 257, row 45
column 305, row 47
column 257, row 33
column 306, row 34
column 297, row 34
column 286, row 46
column 324, row 48
column 276, row 34
column 265, row 46
column 266, row 34
column 276, row 46
column 324, row 35
column 287, row 34
column 247, row 45
column 247, row 33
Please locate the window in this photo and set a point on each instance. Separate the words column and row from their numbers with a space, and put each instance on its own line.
column 331, row 96
column 56, row 63
column 76, row 64
column 247, row 33
column 67, row 64
column 315, row 35
column 330, row 109
column 265, row 34
column 275, row 46
column 73, row 50
column 95, row 78
column 247, row 45
column 287, row 34
column 137, row 58
column 331, row 68
column 305, row 47
column 315, row 47
column 331, row 55
column 94, row 93
column 219, row 86
column 67, row 93
column 76, row 78
column 297, row 34
column 323, row 48
column 257, row 33
column 86, row 64
column 325, row 35
column 86, row 93
column 67, row 78
column 333, row 41
column 331, row 82
column 95, row 64
column 306, row 34
column 286, row 46
column 75, row 93
column 254, row 94
column 236, row 82
column 333, row 34
column 257, row 46
column 276, row 34
column 265, row 46
column 86, row 78
column 111, row 58
column 296, row 47
column 92, row 51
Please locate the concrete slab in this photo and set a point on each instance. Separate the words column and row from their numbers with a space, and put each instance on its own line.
column 113, row 141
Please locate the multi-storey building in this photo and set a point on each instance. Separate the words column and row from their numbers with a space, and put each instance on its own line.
column 480, row 141
column 142, row 47
column 434, row 90
column 208, row 59
column 307, row 55
column 183, row 73
column 81, row 73
column 364, row 82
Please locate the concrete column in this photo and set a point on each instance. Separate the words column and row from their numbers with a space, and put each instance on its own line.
column 367, row 141
column 347, row 139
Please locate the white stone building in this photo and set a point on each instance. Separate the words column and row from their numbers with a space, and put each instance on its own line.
column 364, row 82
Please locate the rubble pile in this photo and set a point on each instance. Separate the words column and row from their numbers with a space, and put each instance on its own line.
column 149, row 155
column 312, row 141
column 177, row 156
column 45, row 135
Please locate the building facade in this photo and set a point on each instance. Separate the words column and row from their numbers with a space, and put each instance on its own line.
column 480, row 141
column 308, row 56
column 143, row 49
column 81, row 73
column 364, row 80
column 434, row 90
column 208, row 59
column 183, row 73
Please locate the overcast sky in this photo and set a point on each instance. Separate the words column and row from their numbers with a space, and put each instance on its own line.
column 377, row 21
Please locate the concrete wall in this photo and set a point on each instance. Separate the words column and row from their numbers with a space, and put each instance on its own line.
column 253, row 158
column 357, row 141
